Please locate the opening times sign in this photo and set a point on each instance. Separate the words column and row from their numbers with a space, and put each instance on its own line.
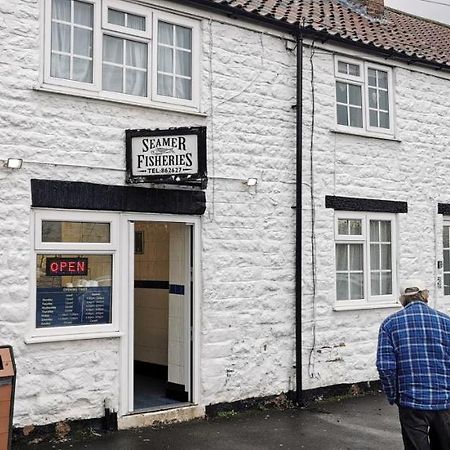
column 173, row 156
column 62, row 307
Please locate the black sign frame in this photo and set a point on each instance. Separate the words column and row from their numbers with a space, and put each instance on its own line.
column 200, row 179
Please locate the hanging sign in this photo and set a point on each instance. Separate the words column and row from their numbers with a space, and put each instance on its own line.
column 173, row 156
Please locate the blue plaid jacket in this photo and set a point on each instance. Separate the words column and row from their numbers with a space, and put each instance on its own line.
column 413, row 357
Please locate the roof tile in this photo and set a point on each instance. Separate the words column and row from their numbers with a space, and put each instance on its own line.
column 396, row 31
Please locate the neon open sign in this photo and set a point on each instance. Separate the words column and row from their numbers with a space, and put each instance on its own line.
column 59, row 267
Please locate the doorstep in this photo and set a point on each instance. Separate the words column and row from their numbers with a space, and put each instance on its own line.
column 147, row 419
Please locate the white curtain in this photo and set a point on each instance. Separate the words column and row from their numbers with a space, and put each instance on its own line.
column 71, row 60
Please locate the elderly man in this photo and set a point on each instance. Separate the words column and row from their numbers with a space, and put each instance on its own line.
column 413, row 361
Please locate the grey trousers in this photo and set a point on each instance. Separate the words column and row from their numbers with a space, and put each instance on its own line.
column 425, row 430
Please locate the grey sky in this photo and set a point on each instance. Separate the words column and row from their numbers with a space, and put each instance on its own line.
column 429, row 8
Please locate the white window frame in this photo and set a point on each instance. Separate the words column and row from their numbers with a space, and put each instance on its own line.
column 369, row 301
column 130, row 8
column 188, row 23
column 102, row 27
column 363, row 81
column 96, row 50
column 80, row 331
column 446, row 223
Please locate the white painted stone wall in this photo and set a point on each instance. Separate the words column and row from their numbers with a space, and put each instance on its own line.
column 248, row 241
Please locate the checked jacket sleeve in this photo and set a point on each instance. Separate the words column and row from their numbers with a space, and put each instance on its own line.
column 387, row 365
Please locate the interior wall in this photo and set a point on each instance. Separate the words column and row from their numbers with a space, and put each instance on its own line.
column 151, row 302
column 177, row 303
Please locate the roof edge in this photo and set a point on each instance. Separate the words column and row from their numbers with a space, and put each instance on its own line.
column 323, row 35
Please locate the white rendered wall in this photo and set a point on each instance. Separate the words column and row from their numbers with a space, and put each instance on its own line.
column 248, row 241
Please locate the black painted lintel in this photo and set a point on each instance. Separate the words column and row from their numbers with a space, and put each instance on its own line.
column 365, row 204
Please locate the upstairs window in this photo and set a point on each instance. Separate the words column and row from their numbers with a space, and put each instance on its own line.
column 122, row 50
column 364, row 97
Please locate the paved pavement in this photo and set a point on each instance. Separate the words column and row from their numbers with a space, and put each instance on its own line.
column 361, row 423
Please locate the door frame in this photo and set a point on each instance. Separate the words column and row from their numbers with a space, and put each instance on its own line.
column 127, row 305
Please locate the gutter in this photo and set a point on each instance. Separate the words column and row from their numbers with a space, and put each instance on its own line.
column 298, row 224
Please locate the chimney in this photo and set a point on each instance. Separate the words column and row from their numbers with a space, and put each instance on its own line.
column 374, row 7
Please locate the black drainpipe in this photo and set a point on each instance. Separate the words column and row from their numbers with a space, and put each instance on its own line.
column 298, row 230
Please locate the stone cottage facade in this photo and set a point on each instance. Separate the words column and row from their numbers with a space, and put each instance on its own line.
column 167, row 290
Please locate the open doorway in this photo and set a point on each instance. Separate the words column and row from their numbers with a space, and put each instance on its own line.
column 162, row 315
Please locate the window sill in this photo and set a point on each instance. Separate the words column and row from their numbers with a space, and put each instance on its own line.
column 364, row 306
column 366, row 134
column 95, row 96
column 71, row 337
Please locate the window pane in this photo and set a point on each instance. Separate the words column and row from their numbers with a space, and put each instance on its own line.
column 113, row 49
column 374, row 231
column 356, row 286
column 446, row 237
column 373, row 101
column 183, row 63
column 342, row 117
column 82, row 70
column 373, row 117
column 447, row 260
column 384, row 100
column 374, row 257
column 83, row 13
column 60, row 66
column 385, row 231
column 355, row 227
column 165, row 85
column 446, row 284
column 56, row 231
column 136, row 82
column 372, row 77
column 136, row 22
column 342, row 67
column 341, row 257
column 73, row 290
column 82, row 42
column 342, row 226
column 112, row 78
column 341, row 92
column 165, row 33
column 183, row 88
column 356, row 119
column 375, row 283
column 382, row 79
column 183, row 37
column 354, row 94
column 60, row 37
column 386, row 257
column 136, row 54
column 356, row 256
column 116, row 17
column 342, row 286
column 61, row 10
column 384, row 120
column 165, row 59
column 386, row 283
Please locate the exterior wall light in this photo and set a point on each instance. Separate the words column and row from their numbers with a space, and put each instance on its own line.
column 251, row 182
column 13, row 163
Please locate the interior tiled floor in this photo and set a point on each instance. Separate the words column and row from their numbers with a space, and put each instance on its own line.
column 150, row 392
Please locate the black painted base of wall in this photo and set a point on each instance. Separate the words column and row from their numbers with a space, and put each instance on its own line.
column 288, row 400
column 108, row 423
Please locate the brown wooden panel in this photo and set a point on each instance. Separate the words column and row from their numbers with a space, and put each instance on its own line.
column 8, row 368
column 4, row 441
column 4, row 424
column 5, row 392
